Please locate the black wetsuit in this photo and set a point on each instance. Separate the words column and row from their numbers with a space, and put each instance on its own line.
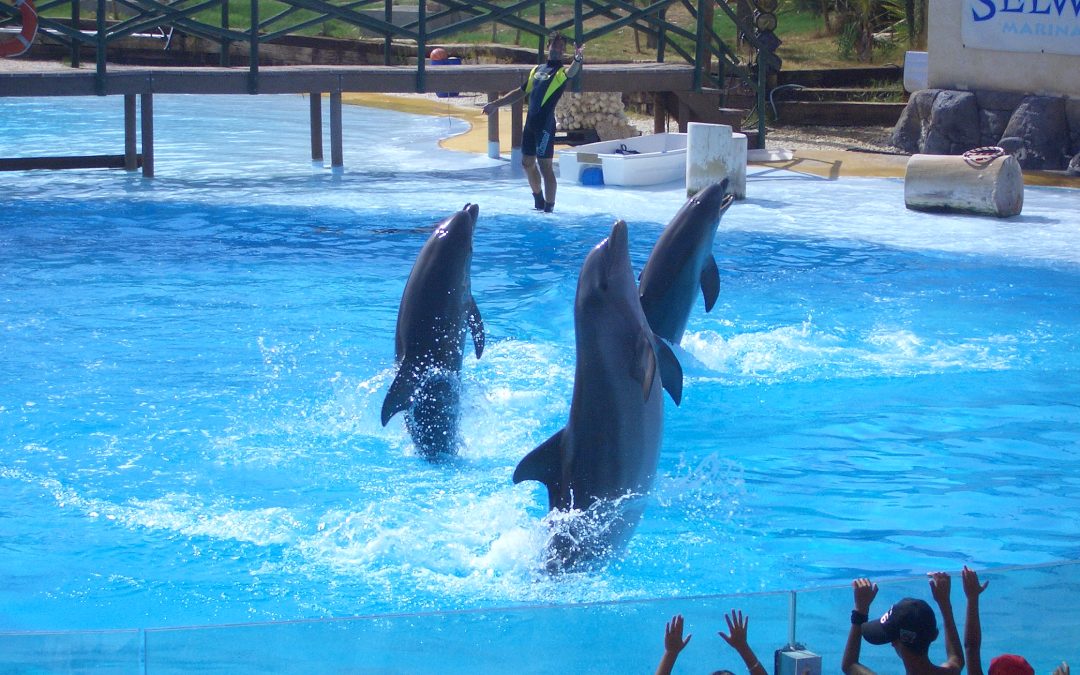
column 544, row 87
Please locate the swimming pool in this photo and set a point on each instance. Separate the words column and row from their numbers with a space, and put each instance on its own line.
column 194, row 367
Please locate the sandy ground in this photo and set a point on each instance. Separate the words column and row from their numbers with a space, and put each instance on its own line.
column 822, row 151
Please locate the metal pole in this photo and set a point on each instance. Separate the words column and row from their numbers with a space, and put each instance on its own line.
column 579, row 31
column 225, row 42
column 336, row 155
column 791, row 620
column 761, row 100
column 388, row 42
column 421, row 48
column 315, row 102
column 493, row 128
column 147, row 115
column 699, row 53
column 661, row 38
column 131, row 161
column 253, row 50
column 99, row 74
column 76, row 44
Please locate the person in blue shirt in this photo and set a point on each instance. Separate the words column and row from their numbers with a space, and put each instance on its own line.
column 543, row 88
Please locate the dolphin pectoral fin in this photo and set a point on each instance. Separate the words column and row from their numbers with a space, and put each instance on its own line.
column 671, row 373
column 399, row 396
column 643, row 366
column 710, row 282
column 543, row 464
column 476, row 326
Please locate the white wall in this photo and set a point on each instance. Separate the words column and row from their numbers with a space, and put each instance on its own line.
column 1027, row 25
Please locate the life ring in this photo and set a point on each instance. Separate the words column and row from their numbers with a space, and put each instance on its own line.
column 26, row 36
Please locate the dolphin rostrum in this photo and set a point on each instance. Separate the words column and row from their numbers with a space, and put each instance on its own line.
column 682, row 261
column 604, row 461
column 437, row 308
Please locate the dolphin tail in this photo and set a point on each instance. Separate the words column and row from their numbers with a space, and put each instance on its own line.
column 400, row 394
column 476, row 325
column 671, row 374
column 543, row 464
column 710, row 282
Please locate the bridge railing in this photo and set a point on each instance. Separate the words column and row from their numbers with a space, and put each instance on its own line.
column 254, row 23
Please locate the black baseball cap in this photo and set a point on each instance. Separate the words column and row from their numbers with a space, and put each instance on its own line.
column 911, row 621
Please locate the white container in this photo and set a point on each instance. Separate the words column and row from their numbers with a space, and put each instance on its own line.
column 715, row 152
column 649, row 160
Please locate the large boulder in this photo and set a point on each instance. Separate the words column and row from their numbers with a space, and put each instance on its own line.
column 954, row 124
column 911, row 128
column 1040, row 121
column 1072, row 117
column 995, row 110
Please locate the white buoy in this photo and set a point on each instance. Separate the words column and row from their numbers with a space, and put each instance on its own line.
column 980, row 182
column 713, row 153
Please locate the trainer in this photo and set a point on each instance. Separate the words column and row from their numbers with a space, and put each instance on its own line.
column 544, row 88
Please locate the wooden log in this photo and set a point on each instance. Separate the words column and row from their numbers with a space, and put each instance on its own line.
column 956, row 183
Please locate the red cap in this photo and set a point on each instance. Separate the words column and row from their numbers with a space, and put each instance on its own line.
column 1010, row 664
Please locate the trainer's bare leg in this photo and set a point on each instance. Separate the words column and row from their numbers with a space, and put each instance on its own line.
column 547, row 170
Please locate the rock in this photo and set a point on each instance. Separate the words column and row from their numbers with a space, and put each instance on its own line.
column 954, row 124
column 1074, row 165
column 911, row 128
column 1072, row 118
column 1040, row 121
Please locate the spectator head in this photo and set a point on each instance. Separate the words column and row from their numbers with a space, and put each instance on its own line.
column 910, row 622
column 1010, row 664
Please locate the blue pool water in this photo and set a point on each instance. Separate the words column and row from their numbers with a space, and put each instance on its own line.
column 193, row 368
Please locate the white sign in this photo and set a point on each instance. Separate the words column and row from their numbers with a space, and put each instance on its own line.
column 1032, row 26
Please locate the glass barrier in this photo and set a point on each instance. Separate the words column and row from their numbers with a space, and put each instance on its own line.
column 1025, row 610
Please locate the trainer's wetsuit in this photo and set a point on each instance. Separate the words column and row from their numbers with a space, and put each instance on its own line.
column 544, row 87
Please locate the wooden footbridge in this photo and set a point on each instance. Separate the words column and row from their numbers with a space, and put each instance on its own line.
column 691, row 86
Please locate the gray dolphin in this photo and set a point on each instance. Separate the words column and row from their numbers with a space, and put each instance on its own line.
column 682, row 261
column 437, row 308
column 604, row 460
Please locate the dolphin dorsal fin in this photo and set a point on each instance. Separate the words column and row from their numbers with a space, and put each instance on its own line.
column 476, row 325
column 671, row 374
column 399, row 397
column 543, row 464
column 710, row 282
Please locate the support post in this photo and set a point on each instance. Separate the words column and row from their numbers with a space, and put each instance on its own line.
column 131, row 159
column 336, row 155
column 762, row 71
column 76, row 44
column 225, row 42
column 516, row 118
column 579, row 31
column 253, row 50
column 315, row 103
column 699, row 52
column 388, row 41
column 147, row 119
column 99, row 74
column 493, row 128
column 421, row 47
column 659, row 113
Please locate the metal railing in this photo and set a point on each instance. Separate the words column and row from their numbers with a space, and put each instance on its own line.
column 260, row 22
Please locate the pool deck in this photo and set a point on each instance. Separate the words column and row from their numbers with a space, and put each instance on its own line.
column 831, row 164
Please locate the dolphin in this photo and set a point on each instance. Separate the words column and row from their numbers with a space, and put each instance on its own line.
column 437, row 309
column 604, row 461
column 682, row 261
